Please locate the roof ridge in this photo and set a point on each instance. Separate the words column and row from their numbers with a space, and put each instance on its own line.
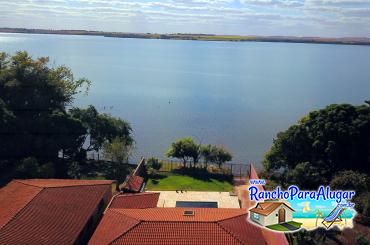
column 67, row 186
column 230, row 232
column 20, row 210
column 124, row 233
column 115, row 210
column 233, row 217
column 25, row 182
column 20, row 181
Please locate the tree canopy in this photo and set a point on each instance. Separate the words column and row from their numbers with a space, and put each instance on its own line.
column 186, row 148
column 39, row 137
column 321, row 144
column 33, row 100
column 220, row 155
column 101, row 128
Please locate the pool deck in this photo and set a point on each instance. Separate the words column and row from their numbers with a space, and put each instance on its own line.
column 224, row 199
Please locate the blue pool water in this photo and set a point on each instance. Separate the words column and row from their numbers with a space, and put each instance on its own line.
column 188, row 204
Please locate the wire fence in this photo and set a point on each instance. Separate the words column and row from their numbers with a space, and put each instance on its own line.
column 236, row 169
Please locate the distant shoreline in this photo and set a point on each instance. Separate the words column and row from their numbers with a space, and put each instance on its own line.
column 197, row 37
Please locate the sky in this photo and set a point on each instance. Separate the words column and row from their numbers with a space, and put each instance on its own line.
column 325, row 18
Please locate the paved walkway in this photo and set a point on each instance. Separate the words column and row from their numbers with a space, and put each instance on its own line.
column 289, row 226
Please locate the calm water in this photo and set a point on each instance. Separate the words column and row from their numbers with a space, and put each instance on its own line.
column 234, row 94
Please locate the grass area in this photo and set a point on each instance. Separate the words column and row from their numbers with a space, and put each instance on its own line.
column 172, row 182
column 279, row 227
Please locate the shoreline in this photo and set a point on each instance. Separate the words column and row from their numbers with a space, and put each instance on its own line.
column 197, row 37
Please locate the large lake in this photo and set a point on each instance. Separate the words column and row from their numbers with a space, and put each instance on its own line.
column 239, row 95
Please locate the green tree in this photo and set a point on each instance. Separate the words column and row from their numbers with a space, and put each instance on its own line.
column 33, row 101
column 118, row 150
column 304, row 174
column 153, row 165
column 330, row 140
column 101, row 128
column 220, row 155
column 185, row 149
column 360, row 183
column 206, row 153
column 27, row 168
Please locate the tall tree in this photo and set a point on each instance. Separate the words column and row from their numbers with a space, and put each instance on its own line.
column 101, row 128
column 118, row 150
column 185, row 149
column 33, row 101
column 206, row 153
column 323, row 143
column 220, row 155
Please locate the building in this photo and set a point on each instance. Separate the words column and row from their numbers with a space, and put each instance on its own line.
column 271, row 213
column 127, row 221
column 51, row 211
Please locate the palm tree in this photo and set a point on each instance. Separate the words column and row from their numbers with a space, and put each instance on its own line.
column 319, row 214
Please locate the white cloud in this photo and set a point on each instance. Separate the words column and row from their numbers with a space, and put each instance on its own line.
column 254, row 17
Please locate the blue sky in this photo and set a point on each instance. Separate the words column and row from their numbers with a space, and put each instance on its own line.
column 335, row 18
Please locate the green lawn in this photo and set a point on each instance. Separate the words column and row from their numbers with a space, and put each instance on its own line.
column 278, row 227
column 172, row 182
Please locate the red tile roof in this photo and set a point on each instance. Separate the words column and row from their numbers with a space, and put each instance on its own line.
column 11, row 204
column 139, row 200
column 177, row 233
column 266, row 208
column 44, row 215
column 133, row 184
column 112, row 226
column 176, row 214
column 170, row 226
column 63, row 182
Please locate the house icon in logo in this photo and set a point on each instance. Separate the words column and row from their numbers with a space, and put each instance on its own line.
column 271, row 212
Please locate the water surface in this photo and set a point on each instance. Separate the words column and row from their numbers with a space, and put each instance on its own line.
column 239, row 95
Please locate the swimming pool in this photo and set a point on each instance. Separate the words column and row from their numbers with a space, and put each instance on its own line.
column 190, row 204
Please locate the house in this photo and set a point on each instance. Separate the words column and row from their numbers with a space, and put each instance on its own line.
column 271, row 213
column 126, row 221
column 51, row 211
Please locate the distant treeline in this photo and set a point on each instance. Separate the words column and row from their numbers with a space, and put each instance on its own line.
column 200, row 37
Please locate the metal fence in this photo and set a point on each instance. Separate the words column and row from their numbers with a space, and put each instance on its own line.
column 236, row 169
